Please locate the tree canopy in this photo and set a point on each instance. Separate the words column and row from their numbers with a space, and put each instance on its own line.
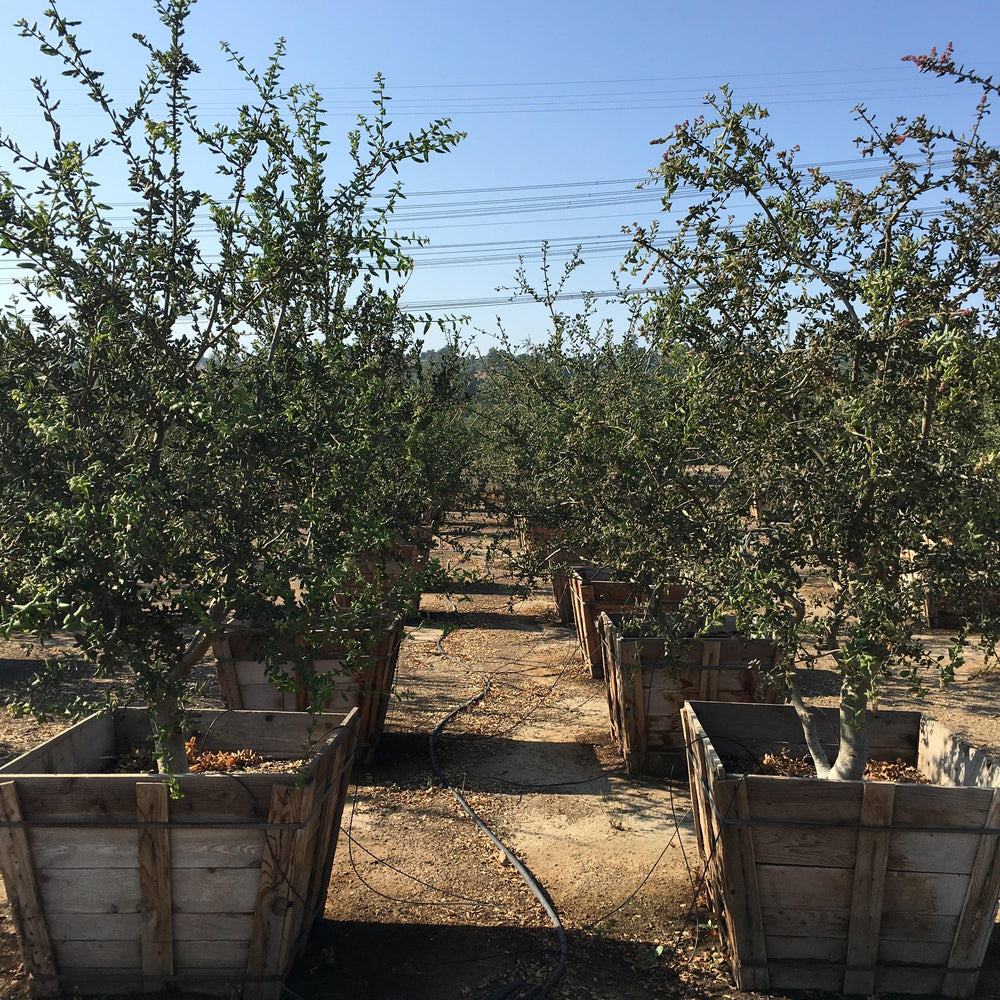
column 213, row 411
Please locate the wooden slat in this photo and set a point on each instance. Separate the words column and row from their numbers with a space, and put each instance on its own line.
column 709, row 678
column 225, row 669
column 84, row 927
column 77, row 847
column 215, row 849
column 156, row 900
column 798, row 887
column 816, row 948
column 209, row 890
column 913, row 951
column 23, row 895
column 95, row 891
column 917, row 980
column 818, row 847
column 941, row 893
column 273, row 920
column 108, row 954
column 96, row 798
column 979, row 909
column 741, row 889
column 807, row 800
column 213, row 956
column 698, row 781
column 637, row 699
column 869, row 884
column 190, row 929
column 890, row 734
column 821, row 921
column 329, row 826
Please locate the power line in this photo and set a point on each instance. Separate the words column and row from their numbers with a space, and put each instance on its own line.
column 612, row 294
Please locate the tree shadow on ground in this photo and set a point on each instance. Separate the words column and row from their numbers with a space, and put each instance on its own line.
column 506, row 621
column 479, row 763
column 415, row 961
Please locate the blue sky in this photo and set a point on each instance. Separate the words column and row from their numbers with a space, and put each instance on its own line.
column 559, row 100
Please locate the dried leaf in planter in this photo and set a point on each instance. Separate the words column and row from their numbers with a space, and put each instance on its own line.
column 785, row 765
column 220, row 760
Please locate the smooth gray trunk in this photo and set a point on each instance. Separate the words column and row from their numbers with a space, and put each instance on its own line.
column 852, row 751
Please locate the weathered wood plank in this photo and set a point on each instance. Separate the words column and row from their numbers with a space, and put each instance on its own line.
column 228, row 928
column 979, row 909
column 116, row 890
column 804, row 800
column 209, row 955
column 893, row 733
column 229, row 687
column 820, row 976
column 225, row 890
column 77, row 847
column 869, row 883
column 942, row 806
column 217, row 981
column 797, row 887
column 90, row 800
column 333, row 808
column 23, row 894
column 215, row 849
column 822, row 923
column 156, row 901
column 834, row 847
column 105, row 954
column 912, row 951
column 94, row 891
column 276, row 886
column 83, row 927
column 742, row 888
column 799, row 948
column 939, row 893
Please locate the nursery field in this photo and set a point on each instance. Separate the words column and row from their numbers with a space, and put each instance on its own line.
column 422, row 905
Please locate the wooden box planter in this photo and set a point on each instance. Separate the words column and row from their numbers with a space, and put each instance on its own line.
column 593, row 593
column 390, row 577
column 115, row 887
column 562, row 564
column 949, row 612
column 561, row 561
column 245, row 684
column 850, row 887
column 648, row 682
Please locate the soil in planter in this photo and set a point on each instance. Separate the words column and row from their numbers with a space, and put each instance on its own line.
column 785, row 765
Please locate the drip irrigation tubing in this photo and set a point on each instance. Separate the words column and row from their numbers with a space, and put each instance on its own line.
column 516, row 990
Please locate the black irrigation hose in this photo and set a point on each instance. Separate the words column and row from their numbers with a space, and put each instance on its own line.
column 512, row 991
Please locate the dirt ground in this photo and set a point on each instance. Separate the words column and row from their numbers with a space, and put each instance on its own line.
column 423, row 906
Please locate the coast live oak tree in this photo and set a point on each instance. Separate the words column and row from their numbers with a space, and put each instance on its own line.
column 200, row 409
column 848, row 337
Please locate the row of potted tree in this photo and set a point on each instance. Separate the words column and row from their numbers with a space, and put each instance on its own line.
column 810, row 401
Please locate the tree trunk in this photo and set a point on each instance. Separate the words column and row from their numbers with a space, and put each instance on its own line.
column 852, row 755
column 852, row 751
column 170, row 750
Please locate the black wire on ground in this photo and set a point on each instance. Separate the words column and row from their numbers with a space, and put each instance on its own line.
column 513, row 990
